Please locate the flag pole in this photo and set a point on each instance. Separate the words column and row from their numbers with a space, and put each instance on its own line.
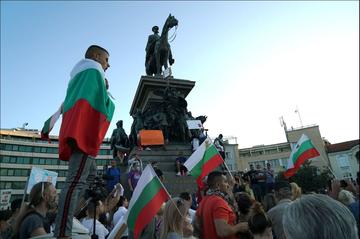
column 25, row 191
column 167, row 192
column 232, row 177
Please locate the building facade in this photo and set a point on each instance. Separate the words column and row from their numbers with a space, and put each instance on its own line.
column 278, row 154
column 344, row 159
column 21, row 149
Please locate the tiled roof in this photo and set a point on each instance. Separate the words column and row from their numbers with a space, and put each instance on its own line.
column 343, row 146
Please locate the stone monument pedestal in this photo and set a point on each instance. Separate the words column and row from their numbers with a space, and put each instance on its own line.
column 150, row 90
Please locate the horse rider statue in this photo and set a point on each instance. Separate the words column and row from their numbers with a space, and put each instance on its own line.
column 158, row 51
column 150, row 46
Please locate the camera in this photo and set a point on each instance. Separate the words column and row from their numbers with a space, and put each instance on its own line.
column 96, row 190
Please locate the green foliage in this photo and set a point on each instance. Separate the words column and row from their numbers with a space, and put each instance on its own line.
column 309, row 178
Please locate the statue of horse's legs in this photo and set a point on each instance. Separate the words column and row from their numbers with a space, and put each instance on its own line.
column 165, row 60
column 158, row 64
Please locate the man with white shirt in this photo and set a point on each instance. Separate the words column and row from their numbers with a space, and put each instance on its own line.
column 88, row 221
column 120, row 213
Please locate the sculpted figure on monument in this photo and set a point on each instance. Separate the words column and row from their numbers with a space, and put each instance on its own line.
column 137, row 125
column 150, row 46
column 119, row 140
column 159, row 57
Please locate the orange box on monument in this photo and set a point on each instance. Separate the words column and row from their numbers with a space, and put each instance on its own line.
column 151, row 137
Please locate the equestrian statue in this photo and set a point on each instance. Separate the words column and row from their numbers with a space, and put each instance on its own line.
column 158, row 51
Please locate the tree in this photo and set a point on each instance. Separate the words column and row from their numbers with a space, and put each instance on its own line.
column 309, row 178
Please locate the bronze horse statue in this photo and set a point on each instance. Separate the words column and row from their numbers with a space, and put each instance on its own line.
column 162, row 52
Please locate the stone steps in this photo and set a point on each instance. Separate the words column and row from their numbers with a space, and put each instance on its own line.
column 165, row 158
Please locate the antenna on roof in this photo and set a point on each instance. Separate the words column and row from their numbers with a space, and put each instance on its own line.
column 24, row 124
column 298, row 112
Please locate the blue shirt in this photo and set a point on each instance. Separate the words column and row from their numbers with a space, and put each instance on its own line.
column 113, row 178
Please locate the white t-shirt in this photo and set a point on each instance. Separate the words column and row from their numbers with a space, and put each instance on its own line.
column 118, row 215
column 195, row 144
column 100, row 229
column 192, row 215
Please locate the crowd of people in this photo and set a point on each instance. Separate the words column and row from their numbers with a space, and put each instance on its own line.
column 227, row 208
column 252, row 205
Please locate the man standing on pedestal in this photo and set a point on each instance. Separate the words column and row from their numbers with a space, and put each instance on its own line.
column 87, row 112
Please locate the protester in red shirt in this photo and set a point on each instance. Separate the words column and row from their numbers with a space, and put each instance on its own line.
column 215, row 217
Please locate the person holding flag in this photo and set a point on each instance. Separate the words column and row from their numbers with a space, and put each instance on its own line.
column 86, row 114
column 204, row 160
column 146, row 201
column 302, row 151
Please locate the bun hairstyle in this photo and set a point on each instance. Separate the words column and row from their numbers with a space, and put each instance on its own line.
column 258, row 221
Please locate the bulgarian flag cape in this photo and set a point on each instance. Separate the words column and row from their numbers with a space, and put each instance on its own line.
column 87, row 110
column 204, row 160
column 302, row 151
column 148, row 196
column 49, row 124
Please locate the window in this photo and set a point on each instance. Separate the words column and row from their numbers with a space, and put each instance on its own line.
column 274, row 163
column 4, row 159
column 18, row 185
column 284, row 162
column 3, row 172
column 37, row 149
column 228, row 155
column 24, row 172
column 8, row 185
column 17, row 172
column 63, row 162
column 12, row 159
column 62, row 173
column 41, row 161
column 43, row 150
column 26, row 160
column 60, row 185
column 15, row 147
column 343, row 161
column 35, row 161
column 10, row 172
column 8, row 147
column 20, row 160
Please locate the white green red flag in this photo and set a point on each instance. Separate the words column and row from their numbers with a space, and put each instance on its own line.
column 49, row 124
column 302, row 151
column 148, row 196
column 203, row 161
column 87, row 110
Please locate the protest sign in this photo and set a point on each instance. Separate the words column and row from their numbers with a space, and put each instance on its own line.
column 40, row 175
column 194, row 124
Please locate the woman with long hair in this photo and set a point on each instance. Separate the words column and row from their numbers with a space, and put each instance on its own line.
column 295, row 191
column 175, row 221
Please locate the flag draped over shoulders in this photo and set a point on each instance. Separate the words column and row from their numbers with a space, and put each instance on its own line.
column 87, row 110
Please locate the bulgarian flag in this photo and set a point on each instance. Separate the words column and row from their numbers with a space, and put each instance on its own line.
column 302, row 151
column 204, row 160
column 148, row 196
column 49, row 124
column 87, row 110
